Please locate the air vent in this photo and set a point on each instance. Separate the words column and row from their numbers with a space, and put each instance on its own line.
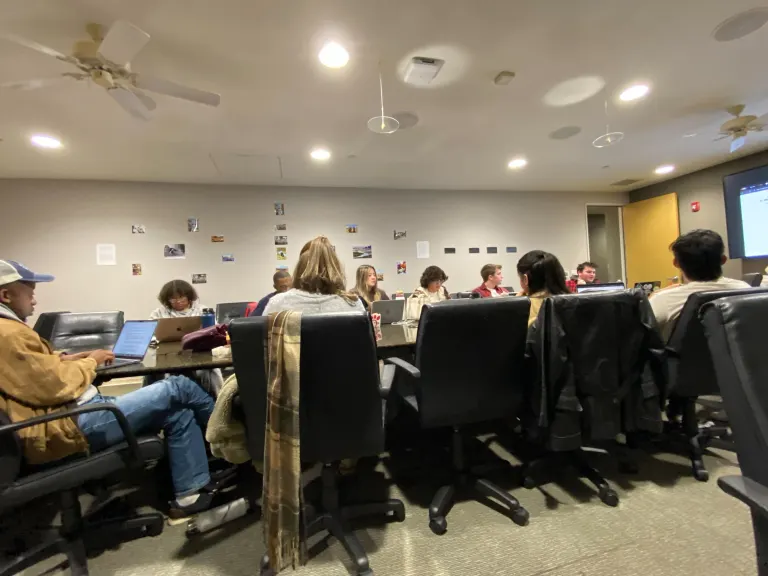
column 626, row 182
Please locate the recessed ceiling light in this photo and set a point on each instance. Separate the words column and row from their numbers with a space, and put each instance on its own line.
column 666, row 169
column 320, row 154
column 634, row 92
column 690, row 135
column 740, row 25
column 43, row 141
column 517, row 163
column 333, row 55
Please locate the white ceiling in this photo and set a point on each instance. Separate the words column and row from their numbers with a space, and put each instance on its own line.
column 278, row 101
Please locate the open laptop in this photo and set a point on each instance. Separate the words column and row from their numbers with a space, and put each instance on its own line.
column 132, row 343
column 648, row 287
column 607, row 287
column 391, row 310
column 174, row 329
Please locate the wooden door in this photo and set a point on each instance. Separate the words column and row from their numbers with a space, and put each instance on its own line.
column 650, row 226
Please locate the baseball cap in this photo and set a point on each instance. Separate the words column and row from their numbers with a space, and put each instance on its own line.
column 11, row 271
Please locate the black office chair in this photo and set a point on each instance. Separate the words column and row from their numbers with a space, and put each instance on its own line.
column 228, row 311
column 691, row 374
column 465, row 295
column 340, row 409
column 81, row 331
column 753, row 279
column 21, row 488
column 735, row 331
column 45, row 323
column 469, row 369
column 599, row 373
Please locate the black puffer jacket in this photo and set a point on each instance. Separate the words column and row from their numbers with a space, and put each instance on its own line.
column 598, row 369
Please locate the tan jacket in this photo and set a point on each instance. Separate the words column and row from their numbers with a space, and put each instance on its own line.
column 35, row 381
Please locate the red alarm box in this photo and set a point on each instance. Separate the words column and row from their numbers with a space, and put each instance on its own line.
column 695, row 206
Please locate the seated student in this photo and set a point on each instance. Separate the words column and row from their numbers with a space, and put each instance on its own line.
column 36, row 381
column 700, row 255
column 367, row 286
column 178, row 298
column 541, row 276
column 586, row 273
column 492, row 279
column 282, row 282
column 318, row 283
column 430, row 290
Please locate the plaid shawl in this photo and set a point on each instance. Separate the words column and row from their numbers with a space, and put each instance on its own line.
column 282, row 500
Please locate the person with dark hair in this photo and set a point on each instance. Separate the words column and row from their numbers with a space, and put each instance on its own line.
column 35, row 381
column 586, row 272
column 541, row 275
column 281, row 282
column 178, row 298
column 430, row 290
column 492, row 279
column 700, row 255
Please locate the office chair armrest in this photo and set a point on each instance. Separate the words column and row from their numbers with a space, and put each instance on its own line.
column 670, row 353
column 133, row 445
column 752, row 493
column 407, row 366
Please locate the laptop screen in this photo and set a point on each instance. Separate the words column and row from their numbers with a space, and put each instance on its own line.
column 587, row 288
column 134, row 338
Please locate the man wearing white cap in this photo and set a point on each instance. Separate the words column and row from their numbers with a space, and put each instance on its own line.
column 35, row 381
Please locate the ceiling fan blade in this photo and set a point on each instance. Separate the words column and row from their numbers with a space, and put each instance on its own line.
column 123, row 42
column 162, row 86
column 32, row 84
column 37, row 47
column 759, row 123
column 129, row 102
column 721, row 137
column 148, row 102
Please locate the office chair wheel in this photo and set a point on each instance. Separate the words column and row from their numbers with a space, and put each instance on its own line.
column 438, row 525
column 529, row 482
column 608, row 496
column 399, row 513
column 264, row 569
column 520, row 516
column 699, row 472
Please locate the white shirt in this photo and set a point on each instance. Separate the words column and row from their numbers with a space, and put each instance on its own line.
column 494, row 294
column 668, row 303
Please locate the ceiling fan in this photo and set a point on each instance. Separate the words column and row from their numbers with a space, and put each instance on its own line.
column 738, row 127
column 105, row 60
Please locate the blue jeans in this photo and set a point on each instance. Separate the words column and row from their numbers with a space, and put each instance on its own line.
column 178, row 407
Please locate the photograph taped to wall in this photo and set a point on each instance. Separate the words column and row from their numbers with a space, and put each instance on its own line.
column 279, row 209
column 491, row 250
column 217, row 238
column 193, row 224
column 400, row 234
column 138, row 229
column 474, row 250
column 227, row 257
column 175, row 251
column 281, row 267
column 282, row 253
column 362, row 252
column 199, row 278
column 379, row 276
column 281, row 240
column 402, row 267
column 136, row 269
column 449, row 250
column 351, row 228
column 280, row 227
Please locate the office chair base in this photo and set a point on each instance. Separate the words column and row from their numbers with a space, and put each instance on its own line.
column 556, row 461
column 334, row 519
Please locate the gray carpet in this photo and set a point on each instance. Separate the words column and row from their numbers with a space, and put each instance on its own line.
column 666, row 523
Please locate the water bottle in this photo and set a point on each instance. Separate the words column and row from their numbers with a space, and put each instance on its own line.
column 216, row 517
column 208, row 318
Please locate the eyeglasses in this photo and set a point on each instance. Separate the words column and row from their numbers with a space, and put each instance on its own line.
column 181, row 299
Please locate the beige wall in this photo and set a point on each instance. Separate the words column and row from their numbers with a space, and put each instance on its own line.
column 54, row 227
column 706, row 187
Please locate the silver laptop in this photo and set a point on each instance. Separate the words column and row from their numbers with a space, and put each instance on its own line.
column 607, row 287
column 391, row 310
column 132, row 343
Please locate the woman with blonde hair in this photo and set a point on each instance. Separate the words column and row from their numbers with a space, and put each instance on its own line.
column 318, row 283
column 367, row 286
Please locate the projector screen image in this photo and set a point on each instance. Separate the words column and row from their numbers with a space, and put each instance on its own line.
column 746, row 213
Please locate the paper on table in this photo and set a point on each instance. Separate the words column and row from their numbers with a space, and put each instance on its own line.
column 422, row 249
column 106, row 255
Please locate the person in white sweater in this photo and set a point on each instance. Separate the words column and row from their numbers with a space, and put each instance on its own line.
column 700, row 255
column 318, row 284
